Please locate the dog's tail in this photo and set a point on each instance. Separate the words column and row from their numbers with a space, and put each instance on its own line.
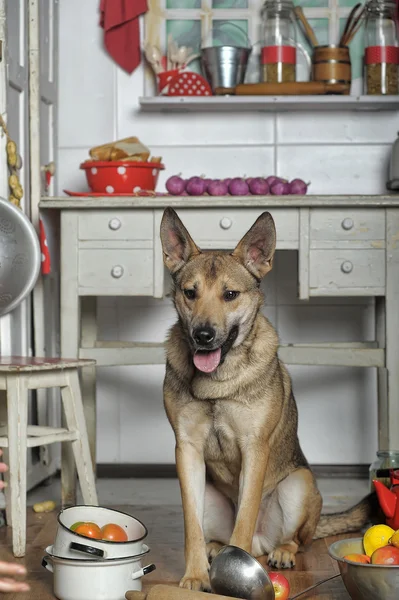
column 366, row 511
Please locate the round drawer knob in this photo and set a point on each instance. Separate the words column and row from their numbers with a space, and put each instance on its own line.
column 117, row 271
column 346, row 266
column 226, row 223
column 114, row 224
column 347, row 224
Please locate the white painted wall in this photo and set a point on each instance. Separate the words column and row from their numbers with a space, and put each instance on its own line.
column 338, row 152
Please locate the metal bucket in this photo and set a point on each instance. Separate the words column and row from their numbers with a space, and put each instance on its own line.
column 225, row 66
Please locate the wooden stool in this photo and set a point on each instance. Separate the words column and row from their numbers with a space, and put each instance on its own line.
column 18, row 375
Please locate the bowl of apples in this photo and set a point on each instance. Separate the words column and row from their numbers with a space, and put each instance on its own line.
column 369, row 566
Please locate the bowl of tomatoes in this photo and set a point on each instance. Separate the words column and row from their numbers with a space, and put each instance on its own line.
column 88, row 532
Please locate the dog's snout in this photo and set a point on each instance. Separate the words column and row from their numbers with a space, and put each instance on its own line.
column 204, row 335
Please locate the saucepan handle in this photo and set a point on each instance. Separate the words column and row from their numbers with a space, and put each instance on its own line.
column 143, row 571
column 47, row 564
column 97, row 552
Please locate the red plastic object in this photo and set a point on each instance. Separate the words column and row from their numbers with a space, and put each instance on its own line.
column 165, row 77
column 188, row 83
column 46, row 262
column 145, row 193
column 388, row 500
column 119, row 177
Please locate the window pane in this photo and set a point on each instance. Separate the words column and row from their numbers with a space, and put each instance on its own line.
column 233, row 33
column 320, row 27
column 185, row 32
column 356, row 48
column 183, row 3
column 311, row 3
column 230, row 3
column 349, row 3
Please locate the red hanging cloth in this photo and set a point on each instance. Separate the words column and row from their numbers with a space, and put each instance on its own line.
column 120, row 21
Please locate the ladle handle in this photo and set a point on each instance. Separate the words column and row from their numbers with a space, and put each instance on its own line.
column 312, row 587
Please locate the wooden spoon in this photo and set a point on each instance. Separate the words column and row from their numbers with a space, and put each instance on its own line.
column 310, row 34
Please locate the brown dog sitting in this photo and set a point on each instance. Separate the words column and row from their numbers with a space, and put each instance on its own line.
column 243, row 476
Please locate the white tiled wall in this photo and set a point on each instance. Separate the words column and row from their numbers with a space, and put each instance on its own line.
column 339, row 152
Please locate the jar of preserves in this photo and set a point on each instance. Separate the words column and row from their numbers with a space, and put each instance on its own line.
column 381, row 55
column 278, row 55
column 386, row 460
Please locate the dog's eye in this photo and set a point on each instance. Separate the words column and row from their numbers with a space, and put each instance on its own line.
column 189, row 294
column 230, row 295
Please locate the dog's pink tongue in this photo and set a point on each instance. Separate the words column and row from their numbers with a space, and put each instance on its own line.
column 207, row 361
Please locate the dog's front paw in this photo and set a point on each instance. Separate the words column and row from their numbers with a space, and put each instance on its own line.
column 212, row 550
column 281, row 559
column 196, row 581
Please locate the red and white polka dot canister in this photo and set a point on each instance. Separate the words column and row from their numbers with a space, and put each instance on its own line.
column 121, row 177
column 183, row 83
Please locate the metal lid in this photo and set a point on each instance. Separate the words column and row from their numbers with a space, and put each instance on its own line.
column 380, row 6
column 277, row 5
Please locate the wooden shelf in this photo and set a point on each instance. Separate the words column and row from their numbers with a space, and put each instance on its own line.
column 268, row 103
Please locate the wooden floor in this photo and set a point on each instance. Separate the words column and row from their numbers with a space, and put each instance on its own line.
column 165, row 525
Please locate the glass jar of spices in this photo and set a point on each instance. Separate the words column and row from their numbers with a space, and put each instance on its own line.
column 386, row 460
column 381, row 55
column 278, row 55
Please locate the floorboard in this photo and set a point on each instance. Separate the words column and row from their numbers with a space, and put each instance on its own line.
column 165, row 525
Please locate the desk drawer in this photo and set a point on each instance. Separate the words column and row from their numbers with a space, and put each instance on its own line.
column 353, row 272
column 116, row 225
column 346, row 225
column 223, row 228
column 116, row 272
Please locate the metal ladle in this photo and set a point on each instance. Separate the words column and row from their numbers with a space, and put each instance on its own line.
column 236, row 573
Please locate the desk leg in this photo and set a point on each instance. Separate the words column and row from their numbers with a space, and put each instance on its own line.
column 70, row 334
column 392, row 326
column 88, row 375
column 382, row 377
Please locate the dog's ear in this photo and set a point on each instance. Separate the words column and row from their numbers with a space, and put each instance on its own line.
column 177, row 244
column 256, row 249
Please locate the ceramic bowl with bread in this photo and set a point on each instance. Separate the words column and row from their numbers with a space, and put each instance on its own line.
column 122, row 167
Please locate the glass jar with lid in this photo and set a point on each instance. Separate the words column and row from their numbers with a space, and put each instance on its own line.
column 386, row 459
column 278, row 55
column 381, row 55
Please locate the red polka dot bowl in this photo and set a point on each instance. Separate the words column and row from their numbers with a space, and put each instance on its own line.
column 121, row 177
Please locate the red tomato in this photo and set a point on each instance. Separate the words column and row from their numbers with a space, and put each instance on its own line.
column 387, row 555
column 90, row 530
column 281, row 586
column 113, row 533
column 360, row 558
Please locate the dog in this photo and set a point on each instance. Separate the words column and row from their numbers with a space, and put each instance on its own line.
column 243, row 477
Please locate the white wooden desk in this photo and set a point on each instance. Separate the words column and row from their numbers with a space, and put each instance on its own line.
column 347, row 246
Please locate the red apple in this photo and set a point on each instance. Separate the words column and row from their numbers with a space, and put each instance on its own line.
column 360, row 558
column 281, row 586
column 387, row 555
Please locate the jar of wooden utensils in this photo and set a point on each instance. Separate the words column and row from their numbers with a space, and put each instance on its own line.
column 332, row 64
column 278, row 56
column 381, row 55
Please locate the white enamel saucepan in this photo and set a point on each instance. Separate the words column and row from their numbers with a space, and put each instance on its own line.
column 69, row 544
column 76, row 579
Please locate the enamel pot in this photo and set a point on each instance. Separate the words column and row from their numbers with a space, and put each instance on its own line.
column 75, row 579
column 69, row 544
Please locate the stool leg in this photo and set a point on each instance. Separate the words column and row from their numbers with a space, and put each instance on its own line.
column 17, row 408
column 6, row 476
column 74, row 415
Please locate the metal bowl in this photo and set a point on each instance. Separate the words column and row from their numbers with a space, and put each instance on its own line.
column 20, row 256
column 363, row 581
column 236, row 573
